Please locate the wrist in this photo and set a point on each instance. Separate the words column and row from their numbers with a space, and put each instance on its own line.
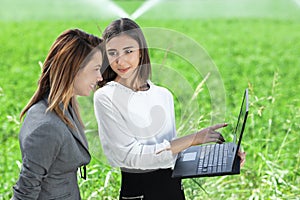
column 194, row 139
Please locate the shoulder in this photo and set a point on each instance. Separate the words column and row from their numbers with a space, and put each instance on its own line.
column 105, row 91
column 103, row 97
column 39, row 123
column 161, row 90
column 38, row 114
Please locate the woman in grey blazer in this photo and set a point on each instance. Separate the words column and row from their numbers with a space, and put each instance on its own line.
column 52, row 139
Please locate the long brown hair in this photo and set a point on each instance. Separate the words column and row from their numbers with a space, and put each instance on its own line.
column 130, row 28
column 59, row 70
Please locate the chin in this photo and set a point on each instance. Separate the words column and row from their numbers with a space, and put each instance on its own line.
column 85, row 94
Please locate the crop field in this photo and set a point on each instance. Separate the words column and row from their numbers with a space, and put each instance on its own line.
column 206, row 53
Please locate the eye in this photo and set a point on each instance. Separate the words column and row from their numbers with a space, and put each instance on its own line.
column 112, row 53
column 128, row 51
column 97, row 68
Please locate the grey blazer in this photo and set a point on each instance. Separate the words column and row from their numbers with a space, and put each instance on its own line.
column 51, row 154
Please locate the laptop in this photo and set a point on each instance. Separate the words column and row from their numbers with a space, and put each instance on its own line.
column 214, row 159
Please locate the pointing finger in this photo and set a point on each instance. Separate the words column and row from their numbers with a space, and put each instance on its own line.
column 217, row 126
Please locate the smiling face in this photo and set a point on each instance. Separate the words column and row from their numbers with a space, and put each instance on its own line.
column 124, row 56
column 88, row 76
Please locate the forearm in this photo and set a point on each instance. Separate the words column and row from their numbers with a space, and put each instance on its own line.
column 205, row 135
column 139, row 156
column 179, row 144
column 28, row 185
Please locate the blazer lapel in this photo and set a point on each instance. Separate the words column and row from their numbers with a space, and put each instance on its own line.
column 77, row 131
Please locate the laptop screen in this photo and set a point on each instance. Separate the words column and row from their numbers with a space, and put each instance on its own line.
column 240, row 126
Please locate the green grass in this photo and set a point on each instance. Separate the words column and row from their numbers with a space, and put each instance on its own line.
column 261, row 53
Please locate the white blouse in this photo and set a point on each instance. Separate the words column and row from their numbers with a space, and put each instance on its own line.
column 136, row 128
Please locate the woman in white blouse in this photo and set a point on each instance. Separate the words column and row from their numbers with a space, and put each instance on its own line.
column 136, row 118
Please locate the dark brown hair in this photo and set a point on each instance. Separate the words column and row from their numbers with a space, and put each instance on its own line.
column 125, row 26
column 59, row 70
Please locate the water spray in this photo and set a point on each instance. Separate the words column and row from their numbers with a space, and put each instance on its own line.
column 142, row 9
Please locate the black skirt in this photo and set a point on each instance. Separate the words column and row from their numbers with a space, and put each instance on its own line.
column 155, row 185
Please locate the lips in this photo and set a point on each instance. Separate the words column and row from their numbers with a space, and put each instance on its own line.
column 124, row 70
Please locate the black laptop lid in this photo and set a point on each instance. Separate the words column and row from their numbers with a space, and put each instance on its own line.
column 241, row 123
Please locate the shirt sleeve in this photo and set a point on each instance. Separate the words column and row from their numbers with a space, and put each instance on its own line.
column 120, row 148
column 39, row 150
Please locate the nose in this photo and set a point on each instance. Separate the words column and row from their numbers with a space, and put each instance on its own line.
column 120, row 60
column 99, row 76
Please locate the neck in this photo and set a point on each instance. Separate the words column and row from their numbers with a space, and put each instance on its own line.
column 136, row 85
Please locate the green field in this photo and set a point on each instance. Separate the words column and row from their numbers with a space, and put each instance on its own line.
column 254, row 44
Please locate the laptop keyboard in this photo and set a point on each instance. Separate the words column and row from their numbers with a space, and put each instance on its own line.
column 213, row 158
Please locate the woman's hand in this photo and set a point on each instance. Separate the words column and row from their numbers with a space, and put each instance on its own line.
column 242, row 155
column 208, row 135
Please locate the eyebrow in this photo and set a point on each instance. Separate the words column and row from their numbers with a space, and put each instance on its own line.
column 129, row 47
column 96, row 65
